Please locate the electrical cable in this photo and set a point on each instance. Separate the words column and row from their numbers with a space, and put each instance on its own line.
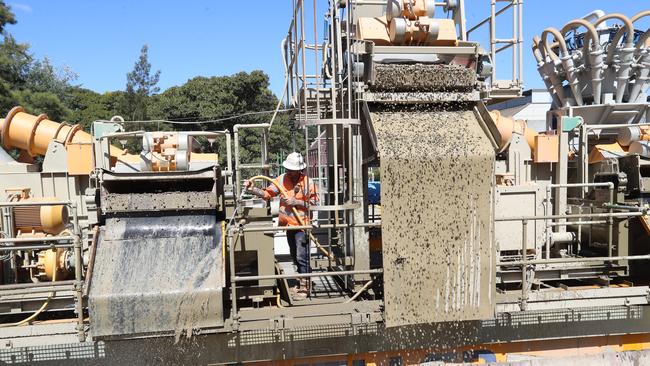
column 180, row 121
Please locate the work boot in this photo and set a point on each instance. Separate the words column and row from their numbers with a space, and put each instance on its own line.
column 293, row 289
column 305, row 286
column 297, row 294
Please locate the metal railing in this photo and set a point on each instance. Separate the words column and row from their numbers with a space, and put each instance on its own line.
column 525, row 262
column 515, row 43
column 8, row 244
column 234, row 278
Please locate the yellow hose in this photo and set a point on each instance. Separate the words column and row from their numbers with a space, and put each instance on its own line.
column 37, row 312
column 45, row 304
column 283, row 192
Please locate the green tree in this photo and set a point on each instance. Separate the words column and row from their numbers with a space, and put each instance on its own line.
column 141, row 84
column 34, row 84
column 6, row 16
column 42, row 102
column 219, row 97
column 42, row 76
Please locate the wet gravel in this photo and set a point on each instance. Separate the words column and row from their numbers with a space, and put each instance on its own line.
column 437, row 178
column 423, row 78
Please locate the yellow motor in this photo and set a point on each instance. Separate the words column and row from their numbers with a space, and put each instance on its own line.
column 37, row 220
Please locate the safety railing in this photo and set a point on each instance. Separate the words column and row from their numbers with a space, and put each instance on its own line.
column 13, row 244
column 234, row 233
column 263, row 164
column 498, row 45
column 525, row 262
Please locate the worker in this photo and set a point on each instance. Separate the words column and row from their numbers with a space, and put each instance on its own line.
column 300, row 194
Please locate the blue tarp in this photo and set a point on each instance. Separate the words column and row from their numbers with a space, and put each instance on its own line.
column 374, row 193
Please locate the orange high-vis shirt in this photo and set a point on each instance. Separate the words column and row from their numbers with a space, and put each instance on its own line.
column 304, row 190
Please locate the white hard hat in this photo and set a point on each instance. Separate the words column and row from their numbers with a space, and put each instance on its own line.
column 294, row 161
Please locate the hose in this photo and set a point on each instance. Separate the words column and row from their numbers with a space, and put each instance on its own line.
column 40, row 310
column 283, row 192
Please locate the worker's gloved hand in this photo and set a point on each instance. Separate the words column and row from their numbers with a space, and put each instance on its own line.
column 292, row 202
column 247, row 185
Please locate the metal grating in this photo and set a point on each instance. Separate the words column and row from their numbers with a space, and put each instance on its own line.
column 60, row 352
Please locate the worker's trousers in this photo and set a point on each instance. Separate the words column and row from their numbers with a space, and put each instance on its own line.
column 299, row 249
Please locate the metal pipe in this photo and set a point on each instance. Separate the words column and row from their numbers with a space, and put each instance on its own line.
column 575, row 260
column 573, row 216
column 38, row 290
column 78, row 267
column 520, row 40
column 477, row 26
column 305, row 275
column 514, row 41
column 570, row 223
column 567, row 62
column 493, row 35
column 34, row 203
column 614, row 126
column 229, row 158
column 627, row 54
column 309, row 227
column 91, row 261
column 35, row 240
column 595, row 52
column 576, row 185
column 554, row 89
column 642, row 72
column 233, row 287
column 524, row 281
column 50, row 285
column 33, row 247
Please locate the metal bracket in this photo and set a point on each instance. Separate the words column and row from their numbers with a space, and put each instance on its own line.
column 361, row 318
column 571, row 123
column 330, row 122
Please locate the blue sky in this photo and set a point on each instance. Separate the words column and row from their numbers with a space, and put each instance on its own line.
column 100, row 40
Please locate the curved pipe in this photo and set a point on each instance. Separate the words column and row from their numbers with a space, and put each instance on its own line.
column 595, row 53
column 507, row 126
column 558, row 98
column 642, row 66
column 567, row 62
column 619, row 33
column 548, row 49
column 536, row 52
column 627, row 54
column 549, row 73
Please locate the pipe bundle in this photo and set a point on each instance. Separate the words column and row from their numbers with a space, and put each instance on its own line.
column 602, row 68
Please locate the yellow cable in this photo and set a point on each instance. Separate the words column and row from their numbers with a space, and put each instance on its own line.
column 283, row 192
column 40, row 310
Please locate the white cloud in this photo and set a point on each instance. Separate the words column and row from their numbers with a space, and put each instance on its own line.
column 22, row 7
